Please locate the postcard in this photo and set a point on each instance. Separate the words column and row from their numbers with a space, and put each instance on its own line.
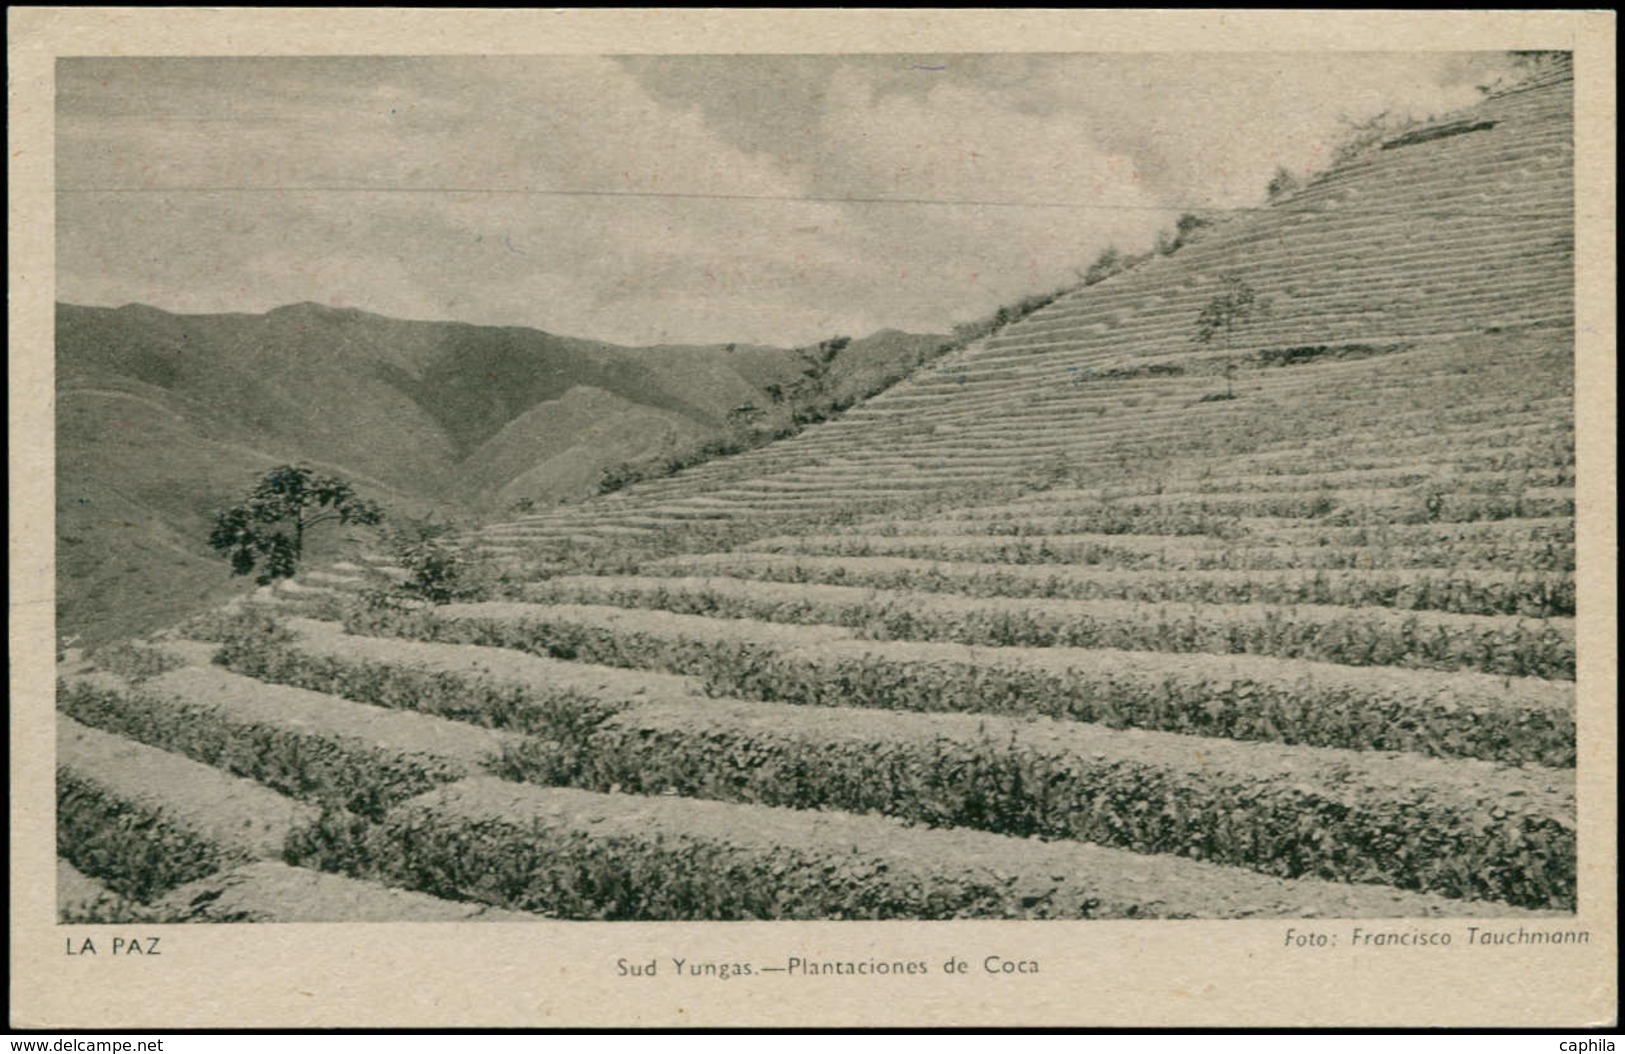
column 696, row 518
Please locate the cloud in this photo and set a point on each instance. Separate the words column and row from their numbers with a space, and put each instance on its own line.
column 426, row 163
column 492, row 124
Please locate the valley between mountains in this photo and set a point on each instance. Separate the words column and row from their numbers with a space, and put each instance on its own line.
column 1086, row 618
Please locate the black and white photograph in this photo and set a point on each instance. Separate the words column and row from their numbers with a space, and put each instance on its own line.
column 825, row 486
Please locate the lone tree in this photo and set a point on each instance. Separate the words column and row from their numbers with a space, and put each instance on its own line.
column 1234, row 304
column 270, row 526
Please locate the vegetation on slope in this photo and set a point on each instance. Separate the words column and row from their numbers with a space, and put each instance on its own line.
column 1325, row 624
column 162, row 419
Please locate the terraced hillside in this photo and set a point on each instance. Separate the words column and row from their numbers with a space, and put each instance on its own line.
column 1090, row 620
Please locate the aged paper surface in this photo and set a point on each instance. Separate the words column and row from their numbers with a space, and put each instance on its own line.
column 1104, row 974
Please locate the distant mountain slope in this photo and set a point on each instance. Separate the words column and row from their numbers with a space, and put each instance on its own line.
column 557, row 445
column 136, row 484
column 162, row 418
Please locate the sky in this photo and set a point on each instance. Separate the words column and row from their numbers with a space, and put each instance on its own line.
column 664, row 199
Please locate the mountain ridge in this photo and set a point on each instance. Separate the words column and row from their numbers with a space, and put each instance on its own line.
column 168, row 416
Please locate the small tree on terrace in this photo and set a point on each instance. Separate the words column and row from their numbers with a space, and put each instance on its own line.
column 269, row 528
column 1283, row 184
column 1234, row 304
column 1186, row 227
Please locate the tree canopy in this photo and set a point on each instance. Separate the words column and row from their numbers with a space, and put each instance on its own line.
column 268, row 529
column 1234, row 304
